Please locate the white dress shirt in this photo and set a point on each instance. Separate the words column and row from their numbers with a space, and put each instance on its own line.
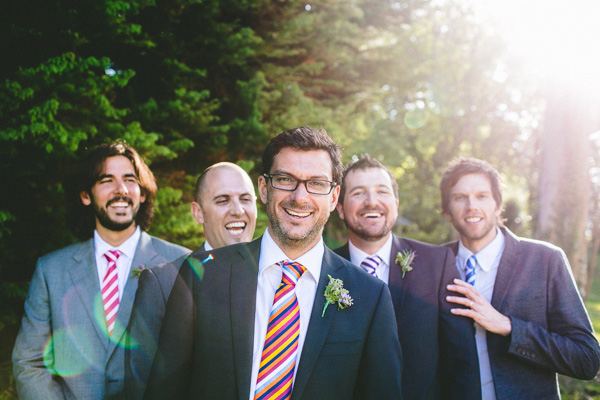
column 269, row 278
column 207, row 246
column 357, row 256
column 127, row 249
column 486, row 270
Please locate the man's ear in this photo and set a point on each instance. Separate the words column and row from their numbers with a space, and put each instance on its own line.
column 262, row 189
column 335, row 195
column 85, row 198
column 197, row 212
column 340, row 210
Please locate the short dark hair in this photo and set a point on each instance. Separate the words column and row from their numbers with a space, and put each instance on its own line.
column 462, row 166
column 365, row 162
column 80, row 217
column 304, row 138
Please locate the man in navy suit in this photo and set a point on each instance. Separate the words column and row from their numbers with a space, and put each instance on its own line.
column 225, row 204
column 530, row 322
column 437, row 347
column 72, row 335
column 222, row 336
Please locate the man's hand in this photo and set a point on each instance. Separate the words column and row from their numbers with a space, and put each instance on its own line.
column 480, row 310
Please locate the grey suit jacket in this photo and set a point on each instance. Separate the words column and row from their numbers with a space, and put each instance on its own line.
column 438, row 348
column 144, row 325
column 551, row 330
column 206, row 341
column 63, row 350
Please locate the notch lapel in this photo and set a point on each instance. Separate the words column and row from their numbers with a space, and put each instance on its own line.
column 318, row 327
column 84, row 276
column 242, row 292
column 506, row 269
column 398, row 286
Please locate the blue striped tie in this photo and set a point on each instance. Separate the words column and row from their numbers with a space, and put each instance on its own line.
column 470, row 270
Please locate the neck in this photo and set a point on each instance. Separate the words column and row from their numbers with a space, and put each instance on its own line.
column 368, row 246
column 476, row 245
column 115, row 238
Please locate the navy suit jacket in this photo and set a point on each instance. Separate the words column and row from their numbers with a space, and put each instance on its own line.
column 206, row 341
column 144, row 325
column 551, row 330
column 438, row 348
column 63, row 349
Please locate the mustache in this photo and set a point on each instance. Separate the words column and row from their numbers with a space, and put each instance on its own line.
column 371, row 209
column 297, row 207
column 119, row 198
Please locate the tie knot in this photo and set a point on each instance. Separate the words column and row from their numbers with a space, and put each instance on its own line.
column 292, row 271
column 371, row 263
column 112, row 255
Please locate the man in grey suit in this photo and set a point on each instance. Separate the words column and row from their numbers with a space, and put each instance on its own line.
column 225, row 203
column 70, row 345
column 530, row 322
column 438, row 348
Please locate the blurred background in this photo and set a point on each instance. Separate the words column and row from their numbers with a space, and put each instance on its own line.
column 414, row 83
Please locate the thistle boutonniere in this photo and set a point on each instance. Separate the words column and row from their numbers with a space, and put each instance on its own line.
column 335, row 293
column 405, row 260
column 137, row 271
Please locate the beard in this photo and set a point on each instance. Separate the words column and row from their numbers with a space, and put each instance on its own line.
column 285, row 235
column 367, row 233
column 110, row 224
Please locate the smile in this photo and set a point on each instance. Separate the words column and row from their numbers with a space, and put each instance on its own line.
column 236, row 228
column 372, row 215
column 473, row 219
column 297, row 214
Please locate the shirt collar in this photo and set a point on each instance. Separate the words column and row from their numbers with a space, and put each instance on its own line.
column 359, row 256
column 207, row 246
column 270, row 254
column 486, row 256
column 126, row 248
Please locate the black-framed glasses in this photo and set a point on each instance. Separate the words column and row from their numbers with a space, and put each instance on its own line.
column 289, row 183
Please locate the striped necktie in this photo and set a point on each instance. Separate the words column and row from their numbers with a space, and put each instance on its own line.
column 470, row 270
column 371, row 263
column 110, row 290
column 278, row 360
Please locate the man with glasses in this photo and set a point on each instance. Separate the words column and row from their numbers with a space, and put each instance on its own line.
column 282, row 315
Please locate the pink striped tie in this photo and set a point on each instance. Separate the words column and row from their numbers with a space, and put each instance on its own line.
column 278, row 361
column 110, row 290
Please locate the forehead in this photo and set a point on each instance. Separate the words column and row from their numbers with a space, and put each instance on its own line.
column 370, row 177
column 227, row 181
column 472, row 183
column 303, row 164
column 117, row 165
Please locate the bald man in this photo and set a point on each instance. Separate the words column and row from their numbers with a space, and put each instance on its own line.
column 225, row 203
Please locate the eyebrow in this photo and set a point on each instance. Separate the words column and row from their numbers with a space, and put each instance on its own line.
column 102, row 176
column 282, row 172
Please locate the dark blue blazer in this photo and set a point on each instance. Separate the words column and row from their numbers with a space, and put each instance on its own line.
column 551, row 330
column 438, row 348
column 206, row 341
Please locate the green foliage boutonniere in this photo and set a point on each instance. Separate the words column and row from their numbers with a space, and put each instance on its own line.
column 335, row 293
column 136, row 272
column 405, row 260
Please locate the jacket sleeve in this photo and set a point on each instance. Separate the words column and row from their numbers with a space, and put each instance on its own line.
column 33, row 354
column 459, row 365
column 566, row 344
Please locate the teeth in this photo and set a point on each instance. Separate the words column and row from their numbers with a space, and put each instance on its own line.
column 372, row 215
column 473, row 219
column 120, row 204
column 295, row 214
column 234, row 225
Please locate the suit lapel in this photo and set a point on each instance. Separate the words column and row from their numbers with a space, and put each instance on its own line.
column 244, row 278
column 84, row 276
column 318, row 327
column 398, row 286
column 506, row 269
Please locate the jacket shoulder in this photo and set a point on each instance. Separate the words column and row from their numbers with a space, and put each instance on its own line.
column 168, row 248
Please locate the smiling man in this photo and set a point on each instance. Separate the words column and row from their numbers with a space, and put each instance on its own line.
column 252, row 322
column 530, row 322
column 437, row 347
column 71, row 340
column 226, row 206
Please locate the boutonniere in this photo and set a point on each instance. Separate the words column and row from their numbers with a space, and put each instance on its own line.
column 335, row 293
column 405, row 260
column 136, row 272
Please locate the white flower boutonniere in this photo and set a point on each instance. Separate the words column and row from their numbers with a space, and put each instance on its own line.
column 335, row 293
column 136, row 272
column 405, row 260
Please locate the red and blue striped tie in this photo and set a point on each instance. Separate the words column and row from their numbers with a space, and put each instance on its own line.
column 278, row 360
